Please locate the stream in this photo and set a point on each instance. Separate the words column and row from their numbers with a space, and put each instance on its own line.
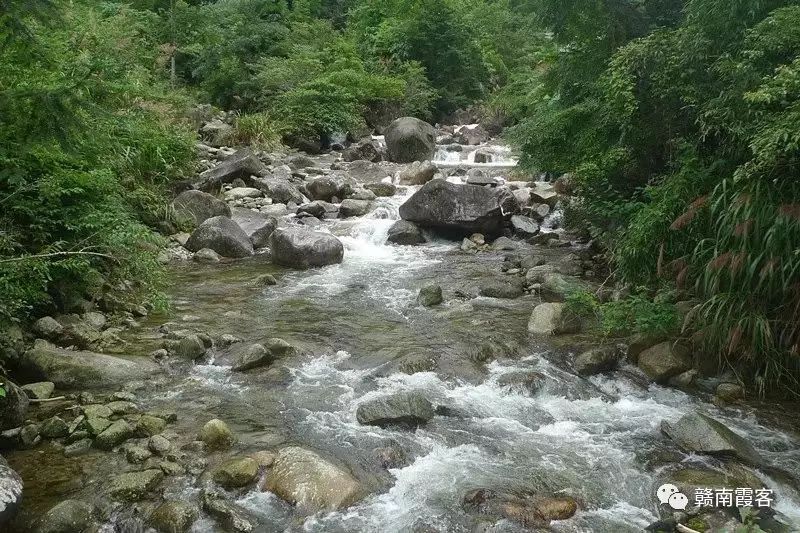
column 355, row 326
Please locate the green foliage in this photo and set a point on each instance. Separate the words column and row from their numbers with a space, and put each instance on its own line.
column 87, row 143
column 680, row 125
column 638, row 314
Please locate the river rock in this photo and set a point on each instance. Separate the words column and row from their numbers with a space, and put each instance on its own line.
column 698, row 433
column 409, row 139
column 254, row 356
column 236, row 472
column 529, row 511
column 460, row 210
column 48, row 328
column 524, row 226
column 729, row 392
column 257, row 226
column 303, row 249
column 10, row 492
column 283, row 192
column 69, row 516
column 405, row 233
column 597, row 360
column 430, row 295
column 354, row 208
column 194, row 207
column 553, row 319
column 665, row 360
column 319, row 209
column 325, row 188
column 79, row 447
column 114, row 435
column 134, row 486
column 84, row 370
column 159, row 445
column 13, row 405
column 502, row 288
column 401, row 409
column 418, row 173
column 381, row 189
column 304, row 478
column 222, row 235
column 242, row 164
column 641, row 342
column 231, row 516
column 206, row 256
column 54, row 428
column 173, row 516
column 216, row 434
column 190, row 348
column 149, row 425
column 363, row 151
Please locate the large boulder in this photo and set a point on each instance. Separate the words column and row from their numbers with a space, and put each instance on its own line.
column 303, row 478
column 222, row 235
column 553, row 319
column 664, row 361
column 84, row 370
column 404, row 232
column 195, row 207
column 699, row 433
column 409, row 139
column 460, row 210
column 401, row 409
column 10, row 492
column 243, row 164
column 303, row 248
column 257, row 226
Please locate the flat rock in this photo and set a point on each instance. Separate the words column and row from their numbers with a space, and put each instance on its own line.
column 403, row 409
column 699, row 433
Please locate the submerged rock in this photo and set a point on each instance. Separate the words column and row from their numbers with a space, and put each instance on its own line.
column 222, row 235
column 231, row 516
column 303, row 248
column 236, row 472
column 699, row 433
column 409, row 139
column 134, row 486
column 69, row 516
column 403, row 409
column 216, row 434
column 502, row 288
column 529, row 511
column 84, row 370
column 430, row 295
column 459, row 210
column 303, row 478
column 173, row 517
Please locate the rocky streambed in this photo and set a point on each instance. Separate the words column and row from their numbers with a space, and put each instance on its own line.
column 326, row 366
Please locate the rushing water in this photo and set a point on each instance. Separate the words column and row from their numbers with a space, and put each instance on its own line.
column 596, row 439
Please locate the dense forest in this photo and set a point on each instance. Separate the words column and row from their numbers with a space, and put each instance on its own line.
column 676, row 120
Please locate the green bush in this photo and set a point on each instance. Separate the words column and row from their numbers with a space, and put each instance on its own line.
column 88, row 143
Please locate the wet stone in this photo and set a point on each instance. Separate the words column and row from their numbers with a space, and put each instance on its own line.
column 114, row 435
column 134, row 486
column 148, row 425
column 78, row 447
column 54, row 428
